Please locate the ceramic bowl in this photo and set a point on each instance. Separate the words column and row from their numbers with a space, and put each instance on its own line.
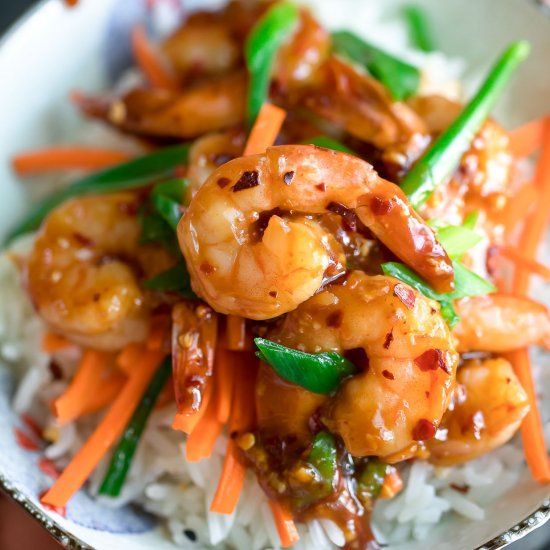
column 54, row 49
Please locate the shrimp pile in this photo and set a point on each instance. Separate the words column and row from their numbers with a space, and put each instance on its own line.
column 293, row 248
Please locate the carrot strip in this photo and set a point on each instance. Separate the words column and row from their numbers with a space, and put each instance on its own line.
column 285, row 524
column 231, row 481
column 106, row 433
column 188, row 422
column 523, row 262
column 109, row 389
column 392, row 484
column 224, row 369
column 236, row 333
column 158, row 333
column 527, row 139
column 516, row 210
column 53, row 342
column 72, row 403
column 129, row 357
column 66, row 158
column 265, row 129
column 202, row 439
column 532, row 433
column 149, row 61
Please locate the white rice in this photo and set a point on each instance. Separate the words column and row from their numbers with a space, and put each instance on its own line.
column 180, row 492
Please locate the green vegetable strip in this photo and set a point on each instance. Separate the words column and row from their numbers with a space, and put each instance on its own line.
column 136, row 173
column 318, row 373
column 443, row 157
column 419, row 28
column 457, row 239
column 127, row 445
column 323, row 457
column 329, row 143
column 260, row 49
column 372, row 478
column 168, row 209
column 401, row 79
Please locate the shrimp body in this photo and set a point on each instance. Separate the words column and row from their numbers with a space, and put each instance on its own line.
column 486, row 412
column 408, row 369
column 249, row 256
column 81, row 273
column 501, row 322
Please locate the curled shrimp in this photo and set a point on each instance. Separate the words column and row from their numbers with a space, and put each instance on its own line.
column 486, row 412
column 208, row 106
column 209, row 152
column 84, row 270
column 500, row 323
column 261, row 271
column 407, row 355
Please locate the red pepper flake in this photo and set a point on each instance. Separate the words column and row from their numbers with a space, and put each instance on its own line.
column 322, row 187
column 24, row 441
column 288, row 177
column 180, row 170
column 349, row 217
column 248, row 180
column 82, row 240
column 381, row 206
column 55, row 370
column 423, row 430
column 406, row 295
column 206, row 268
column 460, row 488
column 432, row 359
column 388, row 340
column 273, row 293
column 387, row 374
column 335, row 319
column 49, row 468
column 223, row 182
column 61, row 510
column 32, row 424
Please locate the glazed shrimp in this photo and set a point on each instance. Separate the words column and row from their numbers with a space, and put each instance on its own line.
column 486, row 412
column 205, row 107
column 209, row 152
column 500, row 323
column 409, row 362
column 83, row 272
column 261, row 271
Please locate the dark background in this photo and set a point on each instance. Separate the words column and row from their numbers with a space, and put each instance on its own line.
column 17, row 530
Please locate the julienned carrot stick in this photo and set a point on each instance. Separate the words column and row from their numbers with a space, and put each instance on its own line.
column 202, row 439
column 150, row 62
column 129, row 357
column 236, row 333
column 106, row 433
column 284, row 523
column 187, row 422
column 160, row 327
column 109, row 389
column 265, row 129
column 531, row 430
column 53, row 342
column 71, row 404
column 517, row 210
column 522, row 262
column 392, row 484
column 66, row 158
column 527, row 139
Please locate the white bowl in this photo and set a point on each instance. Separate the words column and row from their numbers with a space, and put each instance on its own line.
column 53, row 50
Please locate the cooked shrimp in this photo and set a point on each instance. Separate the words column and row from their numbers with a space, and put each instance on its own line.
column 83, row 272
column 487, row 410
column 408, row 377
column 205, row 107
column 501, row 322
column 362, row 106
column 202, row 47
column 209, row 152
column 259, row 271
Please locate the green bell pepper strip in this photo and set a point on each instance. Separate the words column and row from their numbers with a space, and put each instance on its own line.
column 318, row 373
column 419, row 28
column 371, row 479
column 176, row 279
column 323, row 457
column 137, row 173
column 400, row 78
column 443, row 157
column 127, row 445
column 260, row 50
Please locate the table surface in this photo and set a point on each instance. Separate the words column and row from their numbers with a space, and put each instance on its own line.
column 19, row 532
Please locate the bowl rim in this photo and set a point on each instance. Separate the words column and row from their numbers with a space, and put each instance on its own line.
column 70, row 541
